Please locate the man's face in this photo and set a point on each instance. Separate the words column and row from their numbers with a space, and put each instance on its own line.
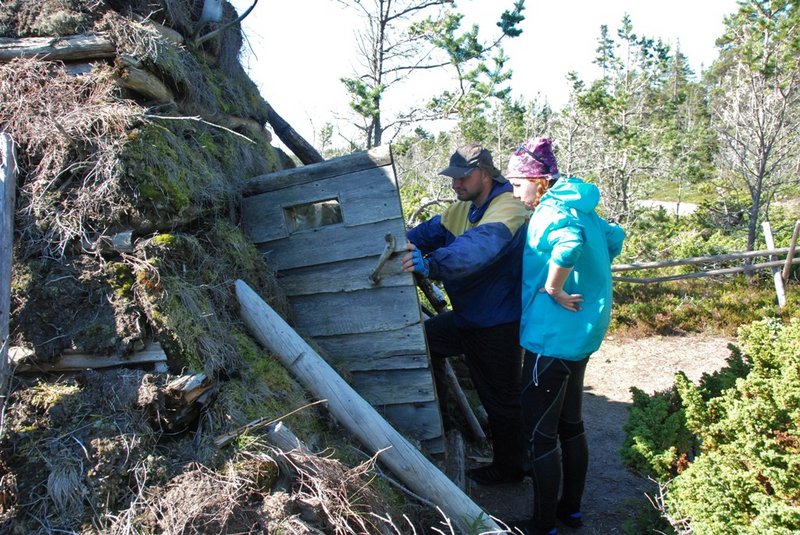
column 525, row 190
column 473, row 187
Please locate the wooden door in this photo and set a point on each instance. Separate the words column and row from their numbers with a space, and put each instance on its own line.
column 324, row 228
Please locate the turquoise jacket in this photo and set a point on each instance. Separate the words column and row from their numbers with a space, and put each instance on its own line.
column 565, row 229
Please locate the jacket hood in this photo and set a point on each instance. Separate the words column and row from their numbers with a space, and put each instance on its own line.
column 574, row 193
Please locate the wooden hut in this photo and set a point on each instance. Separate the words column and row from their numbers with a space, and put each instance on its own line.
column 334, row 232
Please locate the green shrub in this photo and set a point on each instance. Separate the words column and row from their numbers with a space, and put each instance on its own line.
column 657, row 443
column 746, row 420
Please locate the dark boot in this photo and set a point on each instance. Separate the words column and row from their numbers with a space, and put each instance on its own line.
column 574, row 462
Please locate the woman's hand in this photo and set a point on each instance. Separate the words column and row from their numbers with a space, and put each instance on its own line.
column 568, row 301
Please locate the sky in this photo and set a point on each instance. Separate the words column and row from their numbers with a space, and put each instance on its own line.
column 297, row 51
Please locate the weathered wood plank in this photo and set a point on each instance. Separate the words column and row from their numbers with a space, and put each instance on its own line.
column 363, row 311
column 8, row 185
column 377, row 157
column 68, row 48
column 418, row 420
column 263, row 221
column 344, row 276
column 378, row 345
column 390, row 387
column 356, row 415
column 369, row 362
column 777, row 278
column 333, row 244
column 364, row 197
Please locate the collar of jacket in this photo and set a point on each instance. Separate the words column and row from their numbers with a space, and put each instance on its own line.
column 476, row 212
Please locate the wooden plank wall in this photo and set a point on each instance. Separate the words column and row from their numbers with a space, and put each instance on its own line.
column 373, row 331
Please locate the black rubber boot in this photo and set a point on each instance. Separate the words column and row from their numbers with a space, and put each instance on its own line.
column 574, row 463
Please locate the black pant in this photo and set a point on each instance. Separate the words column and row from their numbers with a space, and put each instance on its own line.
column 494, row 359
column 552, row 396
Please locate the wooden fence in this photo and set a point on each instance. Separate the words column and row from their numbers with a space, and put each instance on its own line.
column 781, row 269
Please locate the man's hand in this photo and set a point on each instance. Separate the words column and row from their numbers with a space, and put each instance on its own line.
column 413, row 261
column 568, row 301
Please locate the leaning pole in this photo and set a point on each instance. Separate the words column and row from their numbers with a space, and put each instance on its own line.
column 358, row 416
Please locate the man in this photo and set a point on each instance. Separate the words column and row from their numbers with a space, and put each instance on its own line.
column 475, row 249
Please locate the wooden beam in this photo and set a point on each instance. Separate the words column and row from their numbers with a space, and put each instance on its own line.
column 294, row 141
column 787, row 267
column 8, row 183
column 81, row 47
column 697, row 260
column 356, row 415
column 777, row 279
column 439, row 303
column 709, row 273
column 358, row 161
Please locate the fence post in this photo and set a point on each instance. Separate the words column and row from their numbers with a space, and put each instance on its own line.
column 8, row 183
column 787, row 267
column 777, row 276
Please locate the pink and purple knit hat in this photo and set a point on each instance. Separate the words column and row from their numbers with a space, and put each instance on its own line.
column 533, row 159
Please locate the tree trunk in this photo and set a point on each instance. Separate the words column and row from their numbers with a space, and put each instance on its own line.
column 8, row 181
column 296, row 143
column 358, row 416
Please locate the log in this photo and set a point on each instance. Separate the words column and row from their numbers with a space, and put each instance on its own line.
column 294, row 141
column 282, row 438
column 697, row 260
column 172, row 36
column 463, row 402
column 134, row 78
column 437, row 300
column 8, row 183
column 358, row 416
column 81, row 47
column 232, row 122
column 191, row 387
column 709, row 273
column 78, row 361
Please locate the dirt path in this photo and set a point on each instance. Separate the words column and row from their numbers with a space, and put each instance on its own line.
column 649, row 364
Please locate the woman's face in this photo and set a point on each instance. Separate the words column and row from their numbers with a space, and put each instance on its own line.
column 526, row 191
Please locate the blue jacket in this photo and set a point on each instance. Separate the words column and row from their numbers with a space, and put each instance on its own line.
column 477, row 254
column 565, row 229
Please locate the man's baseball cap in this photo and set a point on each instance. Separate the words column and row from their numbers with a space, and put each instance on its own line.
column 470, row 157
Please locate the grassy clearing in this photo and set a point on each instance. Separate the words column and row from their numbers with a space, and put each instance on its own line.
column 701, row 305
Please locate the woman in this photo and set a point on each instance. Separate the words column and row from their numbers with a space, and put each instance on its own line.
column 566, row 309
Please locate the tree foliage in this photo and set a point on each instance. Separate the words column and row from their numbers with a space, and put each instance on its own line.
column 756, row 102
column 401, row 39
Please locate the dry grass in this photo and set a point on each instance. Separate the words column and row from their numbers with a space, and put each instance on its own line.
column 70, row 130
